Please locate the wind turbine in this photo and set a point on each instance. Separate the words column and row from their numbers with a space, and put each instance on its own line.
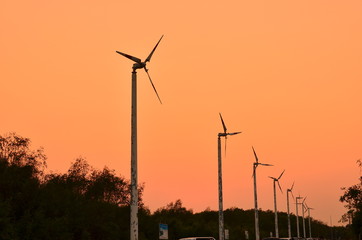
column 276, row 180
column 255, row 165
column 303, row 211
column 134, row 192
column 310, row 227
column 296, row 204
column 289, row 190
column 221, row 212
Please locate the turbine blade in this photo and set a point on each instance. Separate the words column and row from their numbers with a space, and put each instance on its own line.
column 137, row 60
column 149, row 56
column 223, row 123
column 279, row 186
column 256, row 157
column 292, row 186
column 304, row 200
column 281, row 174
column 292, row 195
column 149, row 77
column 234, row 133
column 265, row 164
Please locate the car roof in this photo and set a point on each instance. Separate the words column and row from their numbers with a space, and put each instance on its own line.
column 197, row 238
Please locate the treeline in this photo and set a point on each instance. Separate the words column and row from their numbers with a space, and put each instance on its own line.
column 183, row 223
column 86, row 203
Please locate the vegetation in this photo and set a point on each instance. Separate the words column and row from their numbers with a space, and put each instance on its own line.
column 85, row 203
column 352, row 197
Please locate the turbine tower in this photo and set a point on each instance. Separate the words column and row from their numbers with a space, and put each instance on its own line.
column 134, row 178
column 276, row 180
column 221, row 211
column 289, row 227
column 303, row 211
column 310, row 227
column 255, row 165
column 296, row 212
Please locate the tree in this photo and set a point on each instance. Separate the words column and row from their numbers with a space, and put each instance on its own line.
column 99, row 185
column 21, row 171
column 105, row 186
column 353, row 198
column 179, row 219
column 15, row 150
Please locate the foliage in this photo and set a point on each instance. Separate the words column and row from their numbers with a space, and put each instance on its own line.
column 178, row 218
column 83, row 203
column 15, row 150
column 86, row 203
column 184, row 223
column 352, row 198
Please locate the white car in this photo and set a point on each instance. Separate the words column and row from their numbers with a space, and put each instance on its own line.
column 198, row 238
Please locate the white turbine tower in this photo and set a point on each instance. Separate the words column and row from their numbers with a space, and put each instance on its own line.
column 289, row 190
column 255, row 165
column 134, row 192
column 303, row 211
column 310, row 227
column 221, row 211
column 276, row 180
column 296, row 212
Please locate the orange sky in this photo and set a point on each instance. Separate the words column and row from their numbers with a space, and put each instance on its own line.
column 286, row 73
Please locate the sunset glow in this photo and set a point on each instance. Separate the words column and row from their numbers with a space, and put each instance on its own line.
column 285, row 73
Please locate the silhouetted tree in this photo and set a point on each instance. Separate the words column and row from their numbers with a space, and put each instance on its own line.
column 106, row 186
column 178, row 218
column 21, row 171
column 15, row 150
column 352, row 198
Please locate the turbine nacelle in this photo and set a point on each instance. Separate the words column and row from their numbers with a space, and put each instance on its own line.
column 139, row 65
